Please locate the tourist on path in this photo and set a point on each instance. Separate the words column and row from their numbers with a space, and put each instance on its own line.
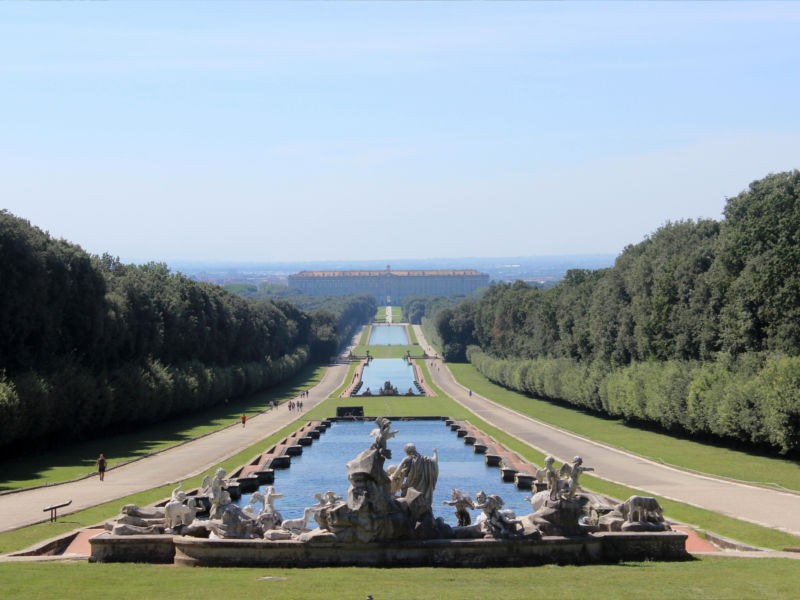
column 101, row 466
column 244, row 420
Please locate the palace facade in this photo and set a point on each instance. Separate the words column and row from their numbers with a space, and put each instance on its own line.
column 389, row 287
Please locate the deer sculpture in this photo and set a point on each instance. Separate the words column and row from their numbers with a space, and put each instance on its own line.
column 298, row 525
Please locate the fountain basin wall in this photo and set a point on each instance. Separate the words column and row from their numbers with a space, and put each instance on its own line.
column 158, row 549
column 592, row 548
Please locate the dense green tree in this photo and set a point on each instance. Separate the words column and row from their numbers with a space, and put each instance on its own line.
column 696, row 328
column 757, row 273
column 89, row 344
column 456, row 329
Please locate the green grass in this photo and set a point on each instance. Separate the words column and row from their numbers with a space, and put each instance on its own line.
column 710, row 577
column 397, row 314
column 25, row 537
column 387, row 351
column 408, row 406
column 684, row 453
column 77, row 460
column 717, row 578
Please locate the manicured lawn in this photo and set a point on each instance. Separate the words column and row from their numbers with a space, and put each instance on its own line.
column 684, row 453
column 25, row 537
column 398, row 407
column 77, row 460
column 719, row 578
column 705, row 578
column 397, row 314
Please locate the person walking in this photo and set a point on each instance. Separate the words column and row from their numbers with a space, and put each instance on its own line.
column 101, row 466
column 244, row 419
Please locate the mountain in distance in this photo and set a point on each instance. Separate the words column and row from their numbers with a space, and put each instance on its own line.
column 543, row 270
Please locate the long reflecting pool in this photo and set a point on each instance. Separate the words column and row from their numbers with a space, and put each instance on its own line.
column 321, row 467
column 388, row 335
column 381, row 370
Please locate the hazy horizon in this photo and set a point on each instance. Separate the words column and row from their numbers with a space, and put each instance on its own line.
column 539, row 269
column 303, row 132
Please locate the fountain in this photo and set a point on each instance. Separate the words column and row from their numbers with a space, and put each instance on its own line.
column 387, row 519
column 387, row 377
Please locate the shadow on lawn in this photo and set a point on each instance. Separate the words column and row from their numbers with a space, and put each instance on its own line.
column 78, row 458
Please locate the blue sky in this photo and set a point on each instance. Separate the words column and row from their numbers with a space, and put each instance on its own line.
column 267, row 131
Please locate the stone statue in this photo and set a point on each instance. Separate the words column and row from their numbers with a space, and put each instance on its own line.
column 179, row 512
column 218, row 496
column 178, row 494
column 395, row 482
column 637, row 513
column 498, row 523
column 134, row 520
column 269, row 517
column 573, row 473
column 233, row 523
column 328, row 498
column 551, row 477
column 418, row 472
column 382, row 435
column 255, row 498
column 298, row 525
column 461, row 502
column 372, row 510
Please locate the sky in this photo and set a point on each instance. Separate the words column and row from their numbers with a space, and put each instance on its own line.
column 303, row 131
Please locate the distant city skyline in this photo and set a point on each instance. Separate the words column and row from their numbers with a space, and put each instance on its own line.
column 336, row 131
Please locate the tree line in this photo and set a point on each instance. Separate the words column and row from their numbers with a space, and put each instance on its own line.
column 90, row 344
column 695, row 329
column 335, row 319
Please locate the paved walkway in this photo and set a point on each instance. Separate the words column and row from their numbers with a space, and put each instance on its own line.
column 172, row 465
column 770, row 508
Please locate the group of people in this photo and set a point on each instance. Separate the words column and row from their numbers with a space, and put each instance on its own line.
column 101, row 463
column 298, row 404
